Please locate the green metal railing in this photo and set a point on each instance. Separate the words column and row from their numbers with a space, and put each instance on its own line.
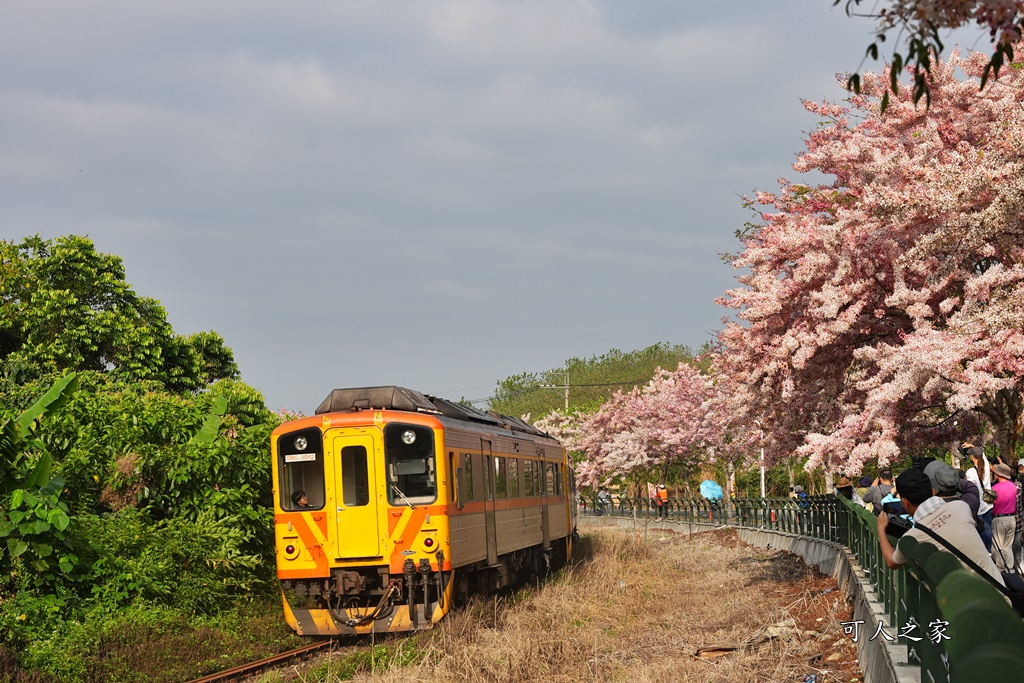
column 954, row 623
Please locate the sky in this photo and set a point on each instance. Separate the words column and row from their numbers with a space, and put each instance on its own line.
column 436, row 194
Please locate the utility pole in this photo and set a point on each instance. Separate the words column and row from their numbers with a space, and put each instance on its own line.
column 761, row 427
column 565, row 386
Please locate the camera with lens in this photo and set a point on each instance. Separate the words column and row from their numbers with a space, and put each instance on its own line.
column 899, row 519
column 894, row 507
column 898, row 525
column 921, row 462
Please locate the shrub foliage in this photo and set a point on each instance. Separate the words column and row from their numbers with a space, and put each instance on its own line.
column 133, row 466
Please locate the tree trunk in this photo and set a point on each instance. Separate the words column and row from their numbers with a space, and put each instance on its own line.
column 730, row 482
column 1004, row 413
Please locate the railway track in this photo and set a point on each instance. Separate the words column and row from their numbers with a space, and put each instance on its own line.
column 244, row 671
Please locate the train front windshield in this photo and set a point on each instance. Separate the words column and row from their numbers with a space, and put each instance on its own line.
column 409, row 457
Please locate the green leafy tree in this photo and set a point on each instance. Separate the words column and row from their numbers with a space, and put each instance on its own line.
column 66, row 306
column 591, row 381
column 198, row 566
column 34, row 552
column 150, row 485
column 121, row 445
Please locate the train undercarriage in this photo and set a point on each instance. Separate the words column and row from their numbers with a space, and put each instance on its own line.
column 373, row 600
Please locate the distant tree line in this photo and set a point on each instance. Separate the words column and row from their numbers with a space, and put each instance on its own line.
column 590, row 381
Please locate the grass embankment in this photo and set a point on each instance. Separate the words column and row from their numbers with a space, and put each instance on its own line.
column 155, row 646
column 633, row 611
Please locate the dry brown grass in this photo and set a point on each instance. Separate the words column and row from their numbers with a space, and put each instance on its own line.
column 634, row 611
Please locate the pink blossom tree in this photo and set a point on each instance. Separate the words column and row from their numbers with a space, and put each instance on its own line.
column 919, row 22
column 878, row 308
column 684, row 418
column 566, row 426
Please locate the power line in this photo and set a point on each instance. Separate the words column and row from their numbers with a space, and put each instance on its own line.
column 561, row 386
column 612, row 384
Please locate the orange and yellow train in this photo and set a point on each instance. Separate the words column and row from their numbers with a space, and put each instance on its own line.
column 389, row 505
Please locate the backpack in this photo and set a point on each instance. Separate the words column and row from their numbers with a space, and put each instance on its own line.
column 1014, row 589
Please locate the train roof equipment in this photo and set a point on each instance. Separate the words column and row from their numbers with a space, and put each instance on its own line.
column 410, row 400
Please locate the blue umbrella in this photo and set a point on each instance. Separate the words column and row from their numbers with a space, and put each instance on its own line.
column 711, row 490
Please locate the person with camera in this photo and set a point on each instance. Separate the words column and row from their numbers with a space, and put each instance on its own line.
column 1004, row 518
column 950, row 484
column 1018, row 546
column 881, row 488
column 952, row 520
column 981, row 476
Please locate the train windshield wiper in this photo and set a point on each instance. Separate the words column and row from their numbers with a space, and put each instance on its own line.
column 406, row 499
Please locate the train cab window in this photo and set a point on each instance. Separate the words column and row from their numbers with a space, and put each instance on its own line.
column 528, row 478
column 355, row 480
column 300, row 462
column 513, row 478
column 500, row 478
column 409, row 459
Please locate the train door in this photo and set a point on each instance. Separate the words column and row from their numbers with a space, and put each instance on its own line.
column 489, row 521
column 355, row 453
column 545, row 510
column 573, row 505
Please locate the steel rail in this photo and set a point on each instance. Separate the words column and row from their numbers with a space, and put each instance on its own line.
column 235, row 673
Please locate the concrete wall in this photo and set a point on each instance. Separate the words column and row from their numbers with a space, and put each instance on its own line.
column 881, row 661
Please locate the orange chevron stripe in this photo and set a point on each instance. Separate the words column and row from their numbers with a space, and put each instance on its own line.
column 306, row 524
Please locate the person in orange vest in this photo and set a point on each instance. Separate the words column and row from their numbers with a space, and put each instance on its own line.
column 661, row 500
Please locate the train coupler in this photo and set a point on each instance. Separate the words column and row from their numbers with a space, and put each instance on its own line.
column 425, row 580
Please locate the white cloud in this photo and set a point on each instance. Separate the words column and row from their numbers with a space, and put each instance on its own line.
column 289, row 154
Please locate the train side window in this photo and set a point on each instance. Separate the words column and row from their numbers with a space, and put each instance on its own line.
column 558, row 481
column 459, row 489
column 513, row 478
column 549, row 479
column 528, row 478
column 300, row 458
column 453, row 478
column 467, row 468
column 500, row 478
column 355, row 480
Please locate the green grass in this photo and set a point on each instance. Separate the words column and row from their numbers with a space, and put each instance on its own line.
column 153, row 645
column 377, row 658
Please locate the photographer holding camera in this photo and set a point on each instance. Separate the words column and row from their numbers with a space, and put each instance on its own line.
column 981, row 476
column 951, row 520
column 881, row 487
column 948, row 485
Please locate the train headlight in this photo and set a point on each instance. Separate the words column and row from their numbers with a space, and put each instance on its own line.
column 301, row 443
column 408, row 437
